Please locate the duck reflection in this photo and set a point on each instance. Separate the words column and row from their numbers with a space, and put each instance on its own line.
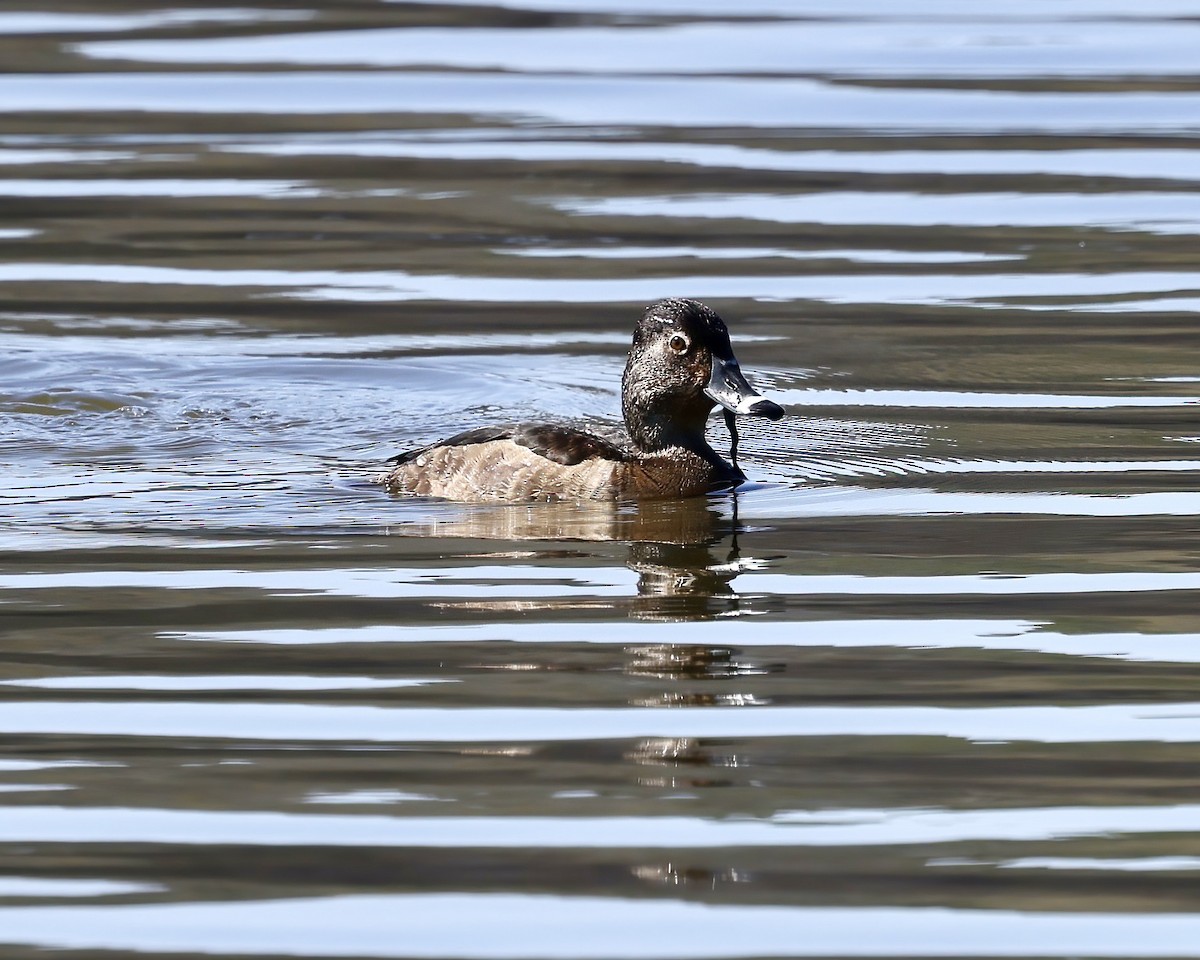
column 686, row 556
column 686, row 581
column 672, row 874
column 686, row 553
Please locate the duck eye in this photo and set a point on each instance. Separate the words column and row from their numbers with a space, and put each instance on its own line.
column 679, row 343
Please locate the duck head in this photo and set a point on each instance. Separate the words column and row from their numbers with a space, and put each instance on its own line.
column 680, row 366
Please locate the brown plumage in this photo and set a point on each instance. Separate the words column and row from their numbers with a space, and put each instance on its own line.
column 680, row 366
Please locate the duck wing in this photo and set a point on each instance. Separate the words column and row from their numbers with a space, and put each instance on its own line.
column 565, row 445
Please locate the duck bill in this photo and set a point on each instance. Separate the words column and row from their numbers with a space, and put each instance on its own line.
column 729, row 388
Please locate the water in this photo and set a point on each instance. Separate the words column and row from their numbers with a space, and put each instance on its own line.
column 928, row 686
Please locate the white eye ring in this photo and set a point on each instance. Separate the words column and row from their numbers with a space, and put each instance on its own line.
column 680, row 344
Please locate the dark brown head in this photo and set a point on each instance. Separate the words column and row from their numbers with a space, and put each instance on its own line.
column 680, row 366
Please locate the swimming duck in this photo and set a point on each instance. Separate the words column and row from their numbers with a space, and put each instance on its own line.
column 680, row 366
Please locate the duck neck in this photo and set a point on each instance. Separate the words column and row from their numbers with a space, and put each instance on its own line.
column 664, row 425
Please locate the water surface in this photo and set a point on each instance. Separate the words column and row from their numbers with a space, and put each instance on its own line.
column 926, row 687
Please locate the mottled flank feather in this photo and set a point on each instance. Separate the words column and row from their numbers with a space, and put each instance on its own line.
column 567, row 445
column 504, row 469
column 499, row 469
column 564, row 445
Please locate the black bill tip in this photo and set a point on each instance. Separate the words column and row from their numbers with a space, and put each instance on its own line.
column 766, row 408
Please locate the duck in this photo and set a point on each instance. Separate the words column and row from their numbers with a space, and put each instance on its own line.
column 680, row 366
